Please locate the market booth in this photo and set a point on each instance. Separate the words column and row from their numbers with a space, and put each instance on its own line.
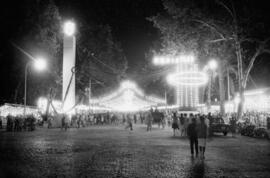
column 17, row 110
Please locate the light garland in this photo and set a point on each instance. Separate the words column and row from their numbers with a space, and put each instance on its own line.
column 188, row 78
column 171, row 59
column 128, row 98
column 17, row 110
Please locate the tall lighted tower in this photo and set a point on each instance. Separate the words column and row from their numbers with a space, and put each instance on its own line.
column 187, row 94
column 69, row 51
column 187, row 79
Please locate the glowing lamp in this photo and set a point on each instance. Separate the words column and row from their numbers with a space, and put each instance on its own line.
column 69, row 28
column 40, row 64
column 237, row 100
column 212, row 64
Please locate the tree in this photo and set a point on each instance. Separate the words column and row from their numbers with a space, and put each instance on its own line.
column 213, row 29
column 182, row 32
column 239, row 35
column 100, row 59
column 99, row 56
column 40, row 35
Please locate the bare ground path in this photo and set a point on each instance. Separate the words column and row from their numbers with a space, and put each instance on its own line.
column 112, row 151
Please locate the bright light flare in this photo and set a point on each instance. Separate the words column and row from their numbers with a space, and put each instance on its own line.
column 212, row 64
column 69, row 28
column 40, row 64
column 128, row 96
column 237, row 100
column 128, row 85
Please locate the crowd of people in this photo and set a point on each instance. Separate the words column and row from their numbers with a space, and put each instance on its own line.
column 85, row 119
column 172, row 119
column 19, row 123
column 196, row 127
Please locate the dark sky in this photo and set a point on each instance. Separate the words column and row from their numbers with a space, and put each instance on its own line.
column 129, row 26
column 127, row 19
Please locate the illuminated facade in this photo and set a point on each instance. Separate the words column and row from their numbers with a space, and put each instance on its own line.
column 255, row 100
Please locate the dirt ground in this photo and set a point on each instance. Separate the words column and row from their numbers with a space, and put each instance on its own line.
column 112, row 151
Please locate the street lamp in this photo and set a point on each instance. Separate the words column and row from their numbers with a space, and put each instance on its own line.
column 212, row 66
column 69, row 28
column 39, row 64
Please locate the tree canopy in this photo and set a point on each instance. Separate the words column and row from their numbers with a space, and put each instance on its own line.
column 98, row 55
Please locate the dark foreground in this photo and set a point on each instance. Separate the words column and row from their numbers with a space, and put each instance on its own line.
column 111, row 151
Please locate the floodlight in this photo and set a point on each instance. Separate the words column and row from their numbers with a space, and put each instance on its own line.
column 212, row 64
column 40, row 64
column 69, row 28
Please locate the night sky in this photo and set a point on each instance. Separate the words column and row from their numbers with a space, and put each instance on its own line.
column 129, row 26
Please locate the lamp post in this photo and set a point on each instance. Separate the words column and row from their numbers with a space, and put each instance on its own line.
column 39, row 64
column 212, row 65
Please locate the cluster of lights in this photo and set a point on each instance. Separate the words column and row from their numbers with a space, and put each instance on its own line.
column 187, row 78
column 257, row 100
column 16, row 110
column 128, row 98
column 127, row 102
column 166, row 59
column 42, row 106
column 126, row 85
column 82, row 107
column 154, row 99
column 190, row 78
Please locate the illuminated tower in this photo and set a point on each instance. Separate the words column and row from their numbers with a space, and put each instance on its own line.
column 187, row 95
column 186, row 79
column 68, row 87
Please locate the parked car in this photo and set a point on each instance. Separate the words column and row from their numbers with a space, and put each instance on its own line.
column 260, row 132
column 219, row 126
column 248, row 130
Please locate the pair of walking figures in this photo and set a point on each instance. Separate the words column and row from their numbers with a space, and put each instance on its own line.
column 197, row 134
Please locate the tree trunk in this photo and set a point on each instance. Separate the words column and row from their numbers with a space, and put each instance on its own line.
column 241, row 104
column 240, row 79
column 209, row 92
column 221, row 89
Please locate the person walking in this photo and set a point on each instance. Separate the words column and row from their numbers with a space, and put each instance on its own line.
column 63, row 122
column 202, row 130
column 175, row 123
column 233, row 126
column 49, row 122
column 129, row 122
column 163, row 121
column 182, row 124
column 149, row 121
column 193, row 137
